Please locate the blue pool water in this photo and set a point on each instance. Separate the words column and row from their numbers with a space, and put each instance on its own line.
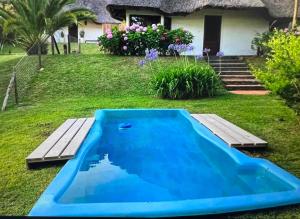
column 161, row 163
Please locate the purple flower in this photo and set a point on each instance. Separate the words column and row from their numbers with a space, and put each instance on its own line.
column 220, row 54
column 151, row 54
column 142, row 63
column 145, row 29
column 127, row 28
column 109, row 36
column 206, row 50
column 189, row 47
column 199, row 57
column 125, row 48
column 171, row 47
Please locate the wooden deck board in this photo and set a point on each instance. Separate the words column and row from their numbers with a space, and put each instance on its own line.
column 228, row 132
column 75, row 144
column 60, row 146
column 43, row 149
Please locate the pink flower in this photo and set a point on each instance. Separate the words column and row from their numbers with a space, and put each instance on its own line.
column 145, row 29
column 138, row 30
column 109, row 36
column 108, row 31
column 125, row 48
column 127, row 28
column 132, row 28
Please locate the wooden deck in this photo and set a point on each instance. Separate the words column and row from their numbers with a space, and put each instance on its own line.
column 63, row 143
column 228, row 132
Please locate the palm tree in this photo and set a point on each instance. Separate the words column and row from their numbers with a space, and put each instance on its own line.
column 34, row 21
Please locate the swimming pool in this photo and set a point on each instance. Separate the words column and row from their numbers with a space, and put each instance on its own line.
column 145, row 163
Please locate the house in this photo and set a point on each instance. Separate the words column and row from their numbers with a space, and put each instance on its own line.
column 92, row 29
column 221, row 25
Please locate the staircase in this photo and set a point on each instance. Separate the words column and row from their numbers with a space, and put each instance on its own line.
column 236, row 76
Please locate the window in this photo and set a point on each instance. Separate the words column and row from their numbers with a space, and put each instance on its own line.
column 144, row 20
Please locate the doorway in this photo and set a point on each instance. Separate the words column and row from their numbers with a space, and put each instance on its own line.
column 73, row 32
column 212, row 33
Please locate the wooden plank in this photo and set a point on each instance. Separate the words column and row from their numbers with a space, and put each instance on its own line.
column 59, row 147
column 244, row 141
column 45, row 147
column 217, row 131
column 256, row 140
column 76, row 142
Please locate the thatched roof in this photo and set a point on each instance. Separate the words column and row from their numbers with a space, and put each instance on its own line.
column 276, row 8
column 99, row 8
column 280, row 8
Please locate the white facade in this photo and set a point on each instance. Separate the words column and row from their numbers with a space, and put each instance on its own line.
column 92, row 32
column 238, row 28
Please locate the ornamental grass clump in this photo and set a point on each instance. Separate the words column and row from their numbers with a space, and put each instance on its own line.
column 186, row 81
column 182, row 79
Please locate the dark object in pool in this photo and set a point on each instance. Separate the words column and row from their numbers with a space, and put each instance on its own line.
column 125, row 126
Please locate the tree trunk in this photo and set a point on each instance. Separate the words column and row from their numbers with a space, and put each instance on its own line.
column 52, row 45
column 295, row 17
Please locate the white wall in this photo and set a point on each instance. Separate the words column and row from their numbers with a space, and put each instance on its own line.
column 238, row 29
column 92, row 31
column 58, row 37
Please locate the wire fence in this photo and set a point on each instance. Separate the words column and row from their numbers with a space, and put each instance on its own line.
column 22, row 73
column 30, row 65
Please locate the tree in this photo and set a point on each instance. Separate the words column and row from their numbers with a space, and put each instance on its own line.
column 34, row 21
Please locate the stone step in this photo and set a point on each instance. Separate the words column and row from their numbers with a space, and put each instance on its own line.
column 237, row 77
column 227, row 68
column 244, row 87
column 240, row 81
column 235, row 73
column 229, row 64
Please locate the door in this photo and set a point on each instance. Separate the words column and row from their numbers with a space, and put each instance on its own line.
column 212, row 33
column 73, row 32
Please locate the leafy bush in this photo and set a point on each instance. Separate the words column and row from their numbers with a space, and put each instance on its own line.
column 259, row 43
column 134, row 40
column 282, row 72
column 184, row 80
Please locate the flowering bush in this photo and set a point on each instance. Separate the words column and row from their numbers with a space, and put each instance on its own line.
column 282, row 72
column 182, row 79
column 135, row 39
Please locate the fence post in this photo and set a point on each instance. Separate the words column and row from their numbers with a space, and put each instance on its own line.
column 40, row 55
column 16, row 86
column 69, row 44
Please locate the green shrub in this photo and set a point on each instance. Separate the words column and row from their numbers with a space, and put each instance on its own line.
column 282, row 72
column 134, row 40
column 259, row 43
column 184, row 80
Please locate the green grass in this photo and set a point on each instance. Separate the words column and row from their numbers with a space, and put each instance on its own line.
column 77, row 85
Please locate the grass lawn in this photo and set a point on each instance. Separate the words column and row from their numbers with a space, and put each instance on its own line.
column 77, row 85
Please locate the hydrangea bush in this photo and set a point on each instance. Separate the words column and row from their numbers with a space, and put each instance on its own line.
column 135, row 39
